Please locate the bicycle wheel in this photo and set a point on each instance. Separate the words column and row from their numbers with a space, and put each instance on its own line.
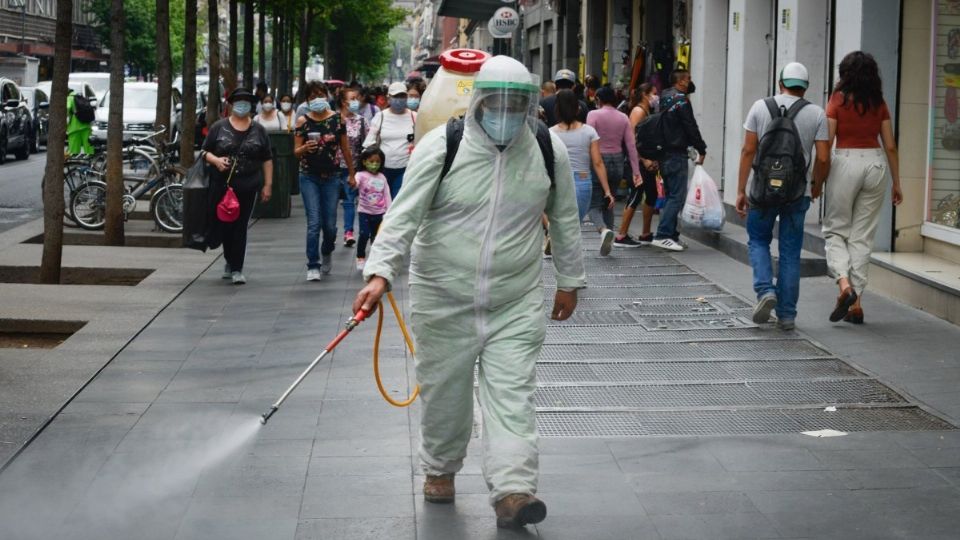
column 166, row 207
column 89, row 205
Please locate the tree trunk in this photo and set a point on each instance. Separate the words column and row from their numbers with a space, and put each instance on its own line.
column 248, row 44
column 164, row 67
column 53, row 173
column 232, row 56
column 276, row 39
column 189, row 111
column 213, row 89
column 113, row 226
column 292, row 38
column 304, row 50
column 262, row 48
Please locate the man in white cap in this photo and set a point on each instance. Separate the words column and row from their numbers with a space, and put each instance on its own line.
column 781, row 133
column 476, row 295
column 563, row 80
column 392, row 130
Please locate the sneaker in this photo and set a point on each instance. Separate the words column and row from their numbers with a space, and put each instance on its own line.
column 519, row 509
column 325, row 262
column 238, row 278
column 361, row 262
column 668, row 244
column 439, row 489
column 646, row 239
column 313, row 274
column 606, row 242
column 786, row 324
column 348, row 239
column 626, row 242
column 766, row 304
column 682, row 243
column 227, row 273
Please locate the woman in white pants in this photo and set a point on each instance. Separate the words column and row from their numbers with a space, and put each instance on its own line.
column 859, row 175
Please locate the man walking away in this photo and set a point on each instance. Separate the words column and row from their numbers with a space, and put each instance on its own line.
column 563, row 80
column 615, row 133
column 772, row 139
column 681, row 133
column 80, row 115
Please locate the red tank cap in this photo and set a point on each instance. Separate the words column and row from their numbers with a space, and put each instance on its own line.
column 463, row 60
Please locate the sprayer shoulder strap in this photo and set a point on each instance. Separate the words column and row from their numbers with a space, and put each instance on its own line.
column 455, row 135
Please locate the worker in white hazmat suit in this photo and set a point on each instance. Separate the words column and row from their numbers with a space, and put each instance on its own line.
column 476, row 292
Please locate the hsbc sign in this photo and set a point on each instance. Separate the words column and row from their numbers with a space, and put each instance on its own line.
column 504, row 22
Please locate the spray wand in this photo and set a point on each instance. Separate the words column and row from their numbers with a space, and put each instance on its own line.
column 352, row 323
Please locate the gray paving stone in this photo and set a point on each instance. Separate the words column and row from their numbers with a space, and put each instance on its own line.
column 321, row 505
column 360, row 466
column 362, row 447
column 203, row 528
column 715, row 526
column 867, row 459
column 696, row 503
column 767, row 459
column 357, row 528
column 599, row 528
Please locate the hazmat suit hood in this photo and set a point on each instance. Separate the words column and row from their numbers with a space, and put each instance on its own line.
column 504, row 103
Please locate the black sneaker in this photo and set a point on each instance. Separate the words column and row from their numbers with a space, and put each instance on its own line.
column 626, row 242
column 646, row 239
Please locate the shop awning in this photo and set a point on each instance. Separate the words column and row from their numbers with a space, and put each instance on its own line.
column 479, row 10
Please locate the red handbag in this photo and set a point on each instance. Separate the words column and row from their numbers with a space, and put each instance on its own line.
column 228, row 209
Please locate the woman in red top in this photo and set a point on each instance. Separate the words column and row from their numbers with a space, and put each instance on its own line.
column 859, row 120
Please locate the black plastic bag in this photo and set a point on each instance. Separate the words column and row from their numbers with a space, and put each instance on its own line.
column 196, row 206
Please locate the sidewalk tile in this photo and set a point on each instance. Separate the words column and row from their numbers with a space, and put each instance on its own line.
column 357, row 528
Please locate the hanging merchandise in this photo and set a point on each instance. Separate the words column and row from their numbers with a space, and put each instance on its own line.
column 604, row 72
column 683, row 54
column 636, row 72
column 943, row 190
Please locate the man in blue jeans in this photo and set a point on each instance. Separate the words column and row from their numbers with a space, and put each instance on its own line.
column 681, row 132
column 811, row 123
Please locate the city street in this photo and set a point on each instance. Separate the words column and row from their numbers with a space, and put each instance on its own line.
column 21, row 199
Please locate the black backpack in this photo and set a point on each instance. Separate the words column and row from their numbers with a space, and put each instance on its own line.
column 779, row 168
column 83, row 110
column 651, row 136
column 455, row 135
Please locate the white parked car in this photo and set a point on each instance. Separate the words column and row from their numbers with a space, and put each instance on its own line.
column 100, row 82
column 82, row 88
column 139, row 111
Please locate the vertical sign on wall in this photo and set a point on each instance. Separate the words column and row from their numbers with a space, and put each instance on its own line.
column 785, row 18
column 736, row 21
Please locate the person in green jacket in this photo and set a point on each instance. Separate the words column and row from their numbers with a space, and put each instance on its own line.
column 78, row 133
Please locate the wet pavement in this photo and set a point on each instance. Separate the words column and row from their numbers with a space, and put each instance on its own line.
column 664, row 413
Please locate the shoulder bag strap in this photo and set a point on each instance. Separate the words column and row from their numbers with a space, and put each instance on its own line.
column 233, row 162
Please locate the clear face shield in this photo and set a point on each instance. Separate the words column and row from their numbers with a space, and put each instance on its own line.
column 503, row 109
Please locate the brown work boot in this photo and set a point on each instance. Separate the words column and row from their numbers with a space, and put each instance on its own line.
column 439, row 489
column 519, row 509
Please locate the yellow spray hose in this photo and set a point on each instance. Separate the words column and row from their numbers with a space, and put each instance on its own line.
column 376, row 352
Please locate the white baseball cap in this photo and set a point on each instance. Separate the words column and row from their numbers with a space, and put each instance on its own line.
column 398, row 88
column 794, row 74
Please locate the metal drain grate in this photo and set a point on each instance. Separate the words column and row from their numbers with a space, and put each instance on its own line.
column 656, row 292
column 600, row 280
column 595, row 318
column 637, row 372
column 642, row 271
column 762, row 350
column 612, row 304
column 741, row 422
column 631, row 334
column 704, row 323
column 762, row 393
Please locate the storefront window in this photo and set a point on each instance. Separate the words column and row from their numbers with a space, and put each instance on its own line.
column 945, row 154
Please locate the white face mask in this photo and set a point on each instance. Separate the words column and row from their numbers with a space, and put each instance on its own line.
column 267, row 107
column 285, row 106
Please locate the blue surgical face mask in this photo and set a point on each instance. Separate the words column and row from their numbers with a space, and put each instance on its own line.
column 353, row 106
column 318, row 105
column 502, row 127
column 413, row 103
column 398, row 104
column 242, row 108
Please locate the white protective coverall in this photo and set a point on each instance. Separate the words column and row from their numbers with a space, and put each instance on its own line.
column 476, row 292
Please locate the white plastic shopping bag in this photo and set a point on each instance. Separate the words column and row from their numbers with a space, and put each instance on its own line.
column 704, row 207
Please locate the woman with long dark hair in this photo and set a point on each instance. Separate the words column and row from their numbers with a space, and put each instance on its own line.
column 643, row 102
column 864, row 160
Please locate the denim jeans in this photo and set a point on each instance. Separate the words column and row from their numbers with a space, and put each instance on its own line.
column 394, row 180
column 584, row 187
column 369, row 224
column 320, row 196
column 349, row 201
column 600, row 214
column 760, row 224
column 673, row 169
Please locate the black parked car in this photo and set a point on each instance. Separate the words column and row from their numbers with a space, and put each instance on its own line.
column 16, row 124
column 39, row 105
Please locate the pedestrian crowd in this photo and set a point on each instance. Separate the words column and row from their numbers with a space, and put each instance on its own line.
column 465, row 207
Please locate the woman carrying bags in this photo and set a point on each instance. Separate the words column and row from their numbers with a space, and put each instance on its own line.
column 239, row 151
column 861, row 172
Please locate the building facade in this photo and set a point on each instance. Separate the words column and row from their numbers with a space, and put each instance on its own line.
column 29, row 26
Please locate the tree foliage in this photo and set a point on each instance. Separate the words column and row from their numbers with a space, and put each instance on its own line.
column 354, row 36
column 140, row 33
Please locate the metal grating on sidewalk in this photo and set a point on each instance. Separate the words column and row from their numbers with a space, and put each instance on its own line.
column 638, row 372
column 762, row 350
column 732, row 422
column 699, row 323
column 636, row 334
column 634, row 281
column 744, row 394
column 653, row 292
column 595, row 318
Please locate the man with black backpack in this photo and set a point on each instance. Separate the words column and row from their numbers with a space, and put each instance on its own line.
column 781, row 133
column 81, row 116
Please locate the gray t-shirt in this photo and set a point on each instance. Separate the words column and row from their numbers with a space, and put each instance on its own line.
column 578, row 143
column 811, row 123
